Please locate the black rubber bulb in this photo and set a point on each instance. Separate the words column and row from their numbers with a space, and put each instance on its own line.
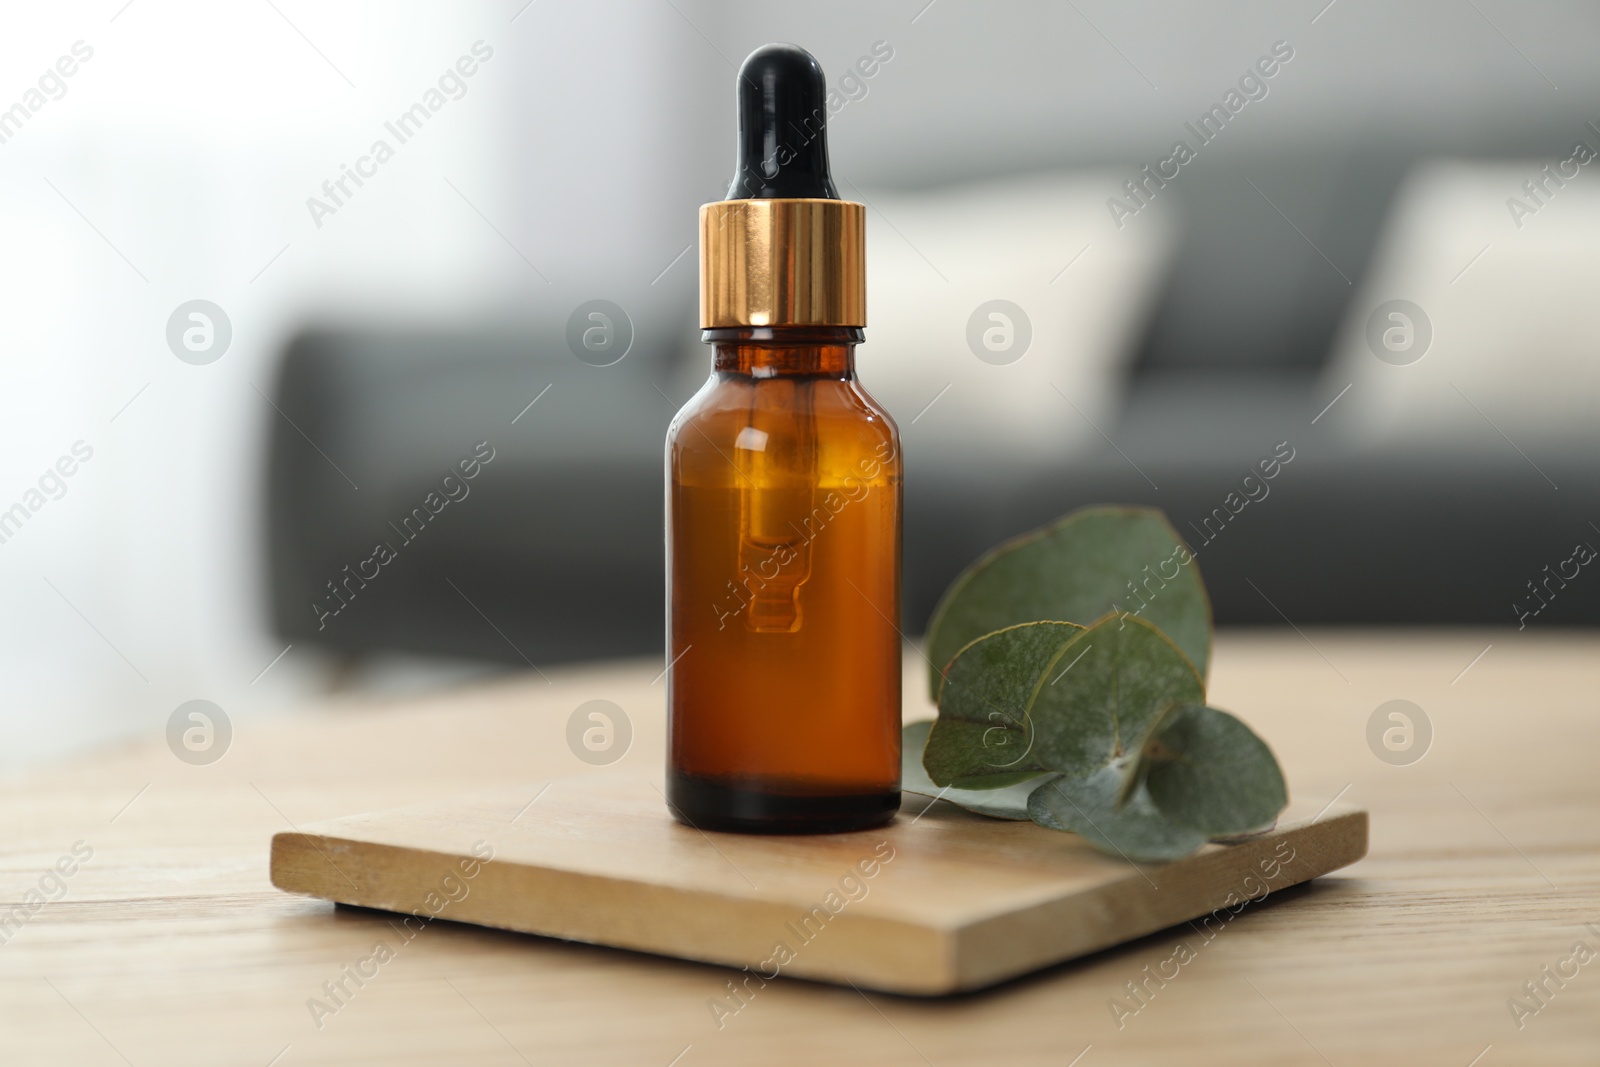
column 783, row 133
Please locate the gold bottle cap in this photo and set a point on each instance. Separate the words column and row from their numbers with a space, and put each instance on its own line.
column 783, row 262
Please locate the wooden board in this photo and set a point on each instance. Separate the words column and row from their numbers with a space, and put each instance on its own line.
column 939, row 901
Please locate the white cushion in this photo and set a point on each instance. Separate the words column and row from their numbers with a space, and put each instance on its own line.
column 1514, row 313
column 934, row 257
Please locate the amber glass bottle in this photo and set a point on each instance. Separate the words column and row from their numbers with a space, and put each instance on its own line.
column 783, row 504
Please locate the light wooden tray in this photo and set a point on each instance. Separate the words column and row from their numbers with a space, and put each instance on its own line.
column 938, row 901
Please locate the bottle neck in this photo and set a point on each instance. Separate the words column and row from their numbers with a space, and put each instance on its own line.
column 772, row 352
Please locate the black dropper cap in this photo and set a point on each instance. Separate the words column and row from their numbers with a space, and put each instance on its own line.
column 783, row 135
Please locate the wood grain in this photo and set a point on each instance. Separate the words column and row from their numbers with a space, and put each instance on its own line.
column 171, row 946
column 938, row 901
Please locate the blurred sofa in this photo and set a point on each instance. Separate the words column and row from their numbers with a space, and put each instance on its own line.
column 1242, row 333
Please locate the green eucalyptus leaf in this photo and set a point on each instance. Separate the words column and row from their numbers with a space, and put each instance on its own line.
column 1070, row 675
column 1096, row 700
column 1093, row 561
column 1135, row 768
column 1005, row 800
column 1210, row 772
column 983, row 731
column 1135, row 830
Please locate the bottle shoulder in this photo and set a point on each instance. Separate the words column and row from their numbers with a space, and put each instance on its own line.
column 836, row 407
column 824, row 429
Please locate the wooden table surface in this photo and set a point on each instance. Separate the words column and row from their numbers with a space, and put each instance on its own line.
column 168, row 946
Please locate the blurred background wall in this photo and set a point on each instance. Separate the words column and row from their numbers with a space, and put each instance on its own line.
column 374, row 344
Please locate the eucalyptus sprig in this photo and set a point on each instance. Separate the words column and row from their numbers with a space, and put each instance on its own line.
column 1072, row 693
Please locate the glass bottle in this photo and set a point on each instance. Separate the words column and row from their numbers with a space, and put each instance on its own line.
column 783, row 503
